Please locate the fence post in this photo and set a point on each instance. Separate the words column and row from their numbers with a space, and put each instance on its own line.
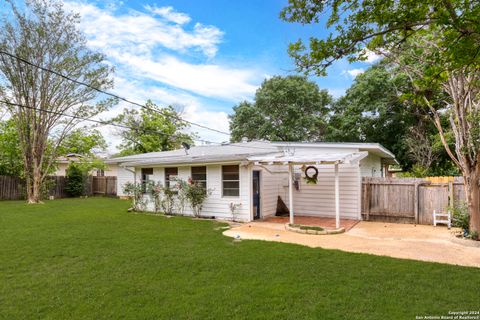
column 416, row 201
column 450, row 194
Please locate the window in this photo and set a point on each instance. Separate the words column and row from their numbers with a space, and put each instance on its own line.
column 100, row 173
column 199, row 175
column 147, row 174
column 230, row 181
column 170, row 175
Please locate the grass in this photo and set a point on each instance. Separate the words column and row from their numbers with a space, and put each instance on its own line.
column 302, row 227
column 90, row 259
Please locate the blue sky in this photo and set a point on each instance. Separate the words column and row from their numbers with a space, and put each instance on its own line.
column 203, row 57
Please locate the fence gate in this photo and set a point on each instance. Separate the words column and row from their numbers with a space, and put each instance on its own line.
column 104, row 186
column 409, row 200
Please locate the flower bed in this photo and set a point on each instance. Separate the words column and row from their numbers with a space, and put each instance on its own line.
column 298, row 228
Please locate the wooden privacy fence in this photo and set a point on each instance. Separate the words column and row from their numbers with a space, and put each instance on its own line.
column 13, row 188
column 105, row 186
column 409, row 200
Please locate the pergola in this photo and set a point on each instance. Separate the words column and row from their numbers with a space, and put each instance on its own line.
column 311, row 159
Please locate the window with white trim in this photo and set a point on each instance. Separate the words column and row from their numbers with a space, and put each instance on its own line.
column 199, row 175
column 231, row 181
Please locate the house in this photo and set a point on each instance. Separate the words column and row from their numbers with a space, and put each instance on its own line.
column 252, row 176
column 64, row 161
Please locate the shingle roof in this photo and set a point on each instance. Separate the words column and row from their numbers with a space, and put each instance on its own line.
column 235, row 152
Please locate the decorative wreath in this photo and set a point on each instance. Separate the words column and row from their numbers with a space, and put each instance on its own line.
column 311, row 174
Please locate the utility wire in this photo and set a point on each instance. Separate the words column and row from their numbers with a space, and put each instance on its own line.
column 110, row 94
column 108, row 123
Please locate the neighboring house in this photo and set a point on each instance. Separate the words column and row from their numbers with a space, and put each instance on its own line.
column 253, row 175
column 64, row 161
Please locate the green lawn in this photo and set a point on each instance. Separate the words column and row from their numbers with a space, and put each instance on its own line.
column 90, row 259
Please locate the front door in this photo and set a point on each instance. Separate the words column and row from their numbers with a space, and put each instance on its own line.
column 256, row 194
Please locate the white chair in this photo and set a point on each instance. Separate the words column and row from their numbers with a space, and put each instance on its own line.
column 439, row 218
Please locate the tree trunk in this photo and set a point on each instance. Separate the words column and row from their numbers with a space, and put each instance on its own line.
column 33, row 179
column 472, row 192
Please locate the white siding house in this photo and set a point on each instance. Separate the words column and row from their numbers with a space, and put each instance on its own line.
column 253, row 160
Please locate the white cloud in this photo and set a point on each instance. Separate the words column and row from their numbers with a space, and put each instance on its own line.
column 208, row 80
column 169, row 14
column 160, row 54
column 371, row 57
column 143, row 32
column 136, row 42
column 354, row 72
column 336, row 93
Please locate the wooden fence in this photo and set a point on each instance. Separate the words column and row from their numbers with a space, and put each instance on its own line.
column 409, row 200
column 13, row 188
column 104, row 186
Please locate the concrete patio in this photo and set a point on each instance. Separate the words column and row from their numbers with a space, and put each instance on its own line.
column 420, row 242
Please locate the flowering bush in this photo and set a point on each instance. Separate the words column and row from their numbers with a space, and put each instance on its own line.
column 134, row 191
column 195, row 194
column 156, row 189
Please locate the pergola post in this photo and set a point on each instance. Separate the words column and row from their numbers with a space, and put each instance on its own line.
column 290, row 191
column 337, row 198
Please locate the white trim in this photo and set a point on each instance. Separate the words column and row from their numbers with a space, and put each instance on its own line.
column 337, row 197
column 290, row 193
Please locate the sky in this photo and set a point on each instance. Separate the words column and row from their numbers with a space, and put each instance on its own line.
column 203, row 57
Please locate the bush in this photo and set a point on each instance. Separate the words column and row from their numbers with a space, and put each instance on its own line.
column 76, row 180
column 460, row 217
column 195, row 194
column 156, row 190
column 135, row 192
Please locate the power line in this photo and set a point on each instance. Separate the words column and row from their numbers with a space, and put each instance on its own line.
column 107, row 123
column 111, row 94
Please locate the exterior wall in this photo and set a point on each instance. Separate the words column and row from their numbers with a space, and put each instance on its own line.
column 61, row 169
column 110, row 170
column 371, row 166
column 123, row 176
column 319, row 199
column 215, row 205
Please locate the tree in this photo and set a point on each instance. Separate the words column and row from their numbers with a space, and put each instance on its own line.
column 435, row 42
column 83, row 141
column 373, row 109
column 158, row 130
column 45, row 35
column 10, row 153
column 285, row 109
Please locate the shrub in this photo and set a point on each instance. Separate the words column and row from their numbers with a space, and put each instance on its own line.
column 76, row 180
column 134, row 191
column 156, row 190
column 195, row 194
column 460, row 217
column 168, row 201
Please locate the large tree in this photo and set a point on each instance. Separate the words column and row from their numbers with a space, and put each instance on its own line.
column 45, row 35
column 288, row 108
column 374, row 109
column 156, row 129
column 443, row 41
column 85, row 141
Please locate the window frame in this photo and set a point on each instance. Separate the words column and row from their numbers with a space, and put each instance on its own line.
column 167, row 180
column 203, row 182
column 145, row 177
column 223, row 182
